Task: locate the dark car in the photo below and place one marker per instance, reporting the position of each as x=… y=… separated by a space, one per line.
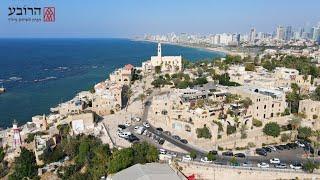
x=227 y=153
x=159 y=129
x=161 y=141
x=318 y=152
x=121 y=126
x=167 y=133
x=261 y=152
x=184 y=141
x=292 y=145
x=280 y=148
x=284 y=147
x=176 y=137
x=132 y=138
x=240 y=155
x=267 y=149
x=214 y=152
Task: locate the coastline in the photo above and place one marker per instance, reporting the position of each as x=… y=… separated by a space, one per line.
x=220 y=50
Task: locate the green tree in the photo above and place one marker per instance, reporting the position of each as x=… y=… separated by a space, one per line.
x=2 y=154
x=203 y=132
x=211 y=156
x=128 y=94
x=120 y=160
x=193 y=154
x=310 y=166
x=316 y=94
x=25 y=166
x=231 y=129
x=84 y=148
x=272 y=129
x=304 y=132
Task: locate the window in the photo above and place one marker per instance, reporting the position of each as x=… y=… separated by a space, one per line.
x=264 y=116
x=271 y=115
x=265 y=106
x=272 y=106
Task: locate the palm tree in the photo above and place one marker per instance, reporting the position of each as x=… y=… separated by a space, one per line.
x=128 y=94
x=142 y=97
x=295 y=123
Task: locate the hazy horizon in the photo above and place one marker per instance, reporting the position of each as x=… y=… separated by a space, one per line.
x=130 y=18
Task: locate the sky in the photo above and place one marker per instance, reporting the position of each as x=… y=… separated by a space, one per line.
x=130 y=18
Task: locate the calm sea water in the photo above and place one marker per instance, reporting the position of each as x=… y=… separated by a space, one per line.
x=40 y=73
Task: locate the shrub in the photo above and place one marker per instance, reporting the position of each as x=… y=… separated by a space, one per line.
x=193 y=154
x=220 y=148
x=231 y=129
x=256 y=122
x=203 y=132
x=285 y=137
x=272 y=129
x=304 y=132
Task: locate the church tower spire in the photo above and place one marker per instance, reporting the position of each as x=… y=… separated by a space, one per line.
x=159 y=49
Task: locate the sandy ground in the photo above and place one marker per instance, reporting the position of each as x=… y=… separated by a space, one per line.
x=219 y=173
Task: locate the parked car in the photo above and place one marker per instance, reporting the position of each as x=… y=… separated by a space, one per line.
x=263 y=165
x=272 y=148
x=275 y=161
x=205 y=160
x=162 y=151
x=292 y=145
x=296 y=166
x=173 y=154
x=186 y=158
x=159 y=129
x=267 y=149
x=138 y=119
x=247 y=164
x=127 y=124
x=280 y=148
x=121 y=126
x=176 y=137
x=227 y=153
x=280 y=166
x=167 y=133
x=161 y=141
x=300 y=143
x=184 y=141
x=145 y=124
x=240 y=155
x=214 y=152
x=261 y=152
x=132 y=138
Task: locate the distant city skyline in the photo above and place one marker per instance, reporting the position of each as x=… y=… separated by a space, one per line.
x=127 y=18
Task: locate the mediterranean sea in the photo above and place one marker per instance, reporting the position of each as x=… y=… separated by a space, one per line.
x=41 y=73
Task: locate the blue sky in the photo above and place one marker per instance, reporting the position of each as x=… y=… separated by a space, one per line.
x=128 y=18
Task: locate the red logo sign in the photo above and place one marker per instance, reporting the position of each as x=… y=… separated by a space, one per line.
x=49 y=14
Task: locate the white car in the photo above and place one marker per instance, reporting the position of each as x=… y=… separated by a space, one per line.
x=272 y=148
x=205 y=160
x=275 y=161
x=136 y=128
x=138 y=119
x=162 y=151
x=263 y=165
x=300 y=144
x=127 y=124
x=186 y=158
x=145 y=124
x=296 y=166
